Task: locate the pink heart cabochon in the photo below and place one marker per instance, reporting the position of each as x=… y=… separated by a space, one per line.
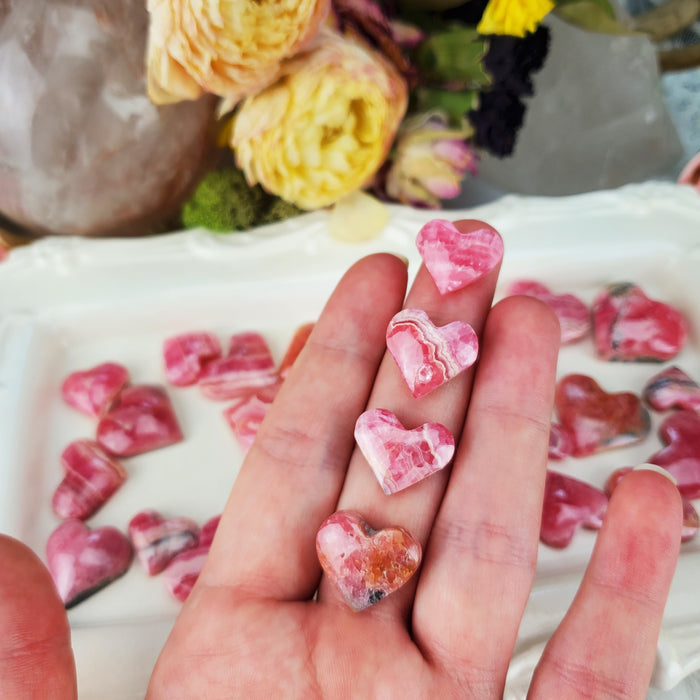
x=457 y=254
x=428 y=355
x=398 y=457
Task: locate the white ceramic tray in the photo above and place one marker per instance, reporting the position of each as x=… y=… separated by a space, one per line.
x=67 y=304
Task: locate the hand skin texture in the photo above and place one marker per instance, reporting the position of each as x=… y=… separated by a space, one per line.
x=251 y=628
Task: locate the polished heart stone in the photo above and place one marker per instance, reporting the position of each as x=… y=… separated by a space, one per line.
x=429 y=355
x=561 y=444
x=91 y=477
x=455 y=259
x=365 y=564
x=574 y=316
x=92 y=391
x=628 y=326
x=246 y=415
x=186 y=354
x=296 y=345
x=680 y=432
x=569 y=504
x=672 y=388
x=597 y=420
x=83 y=561
x=143 y=419
x=158 y=540
x=398 y=457
x=247 y=367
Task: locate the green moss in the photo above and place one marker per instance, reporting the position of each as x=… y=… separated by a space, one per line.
x=223 y=201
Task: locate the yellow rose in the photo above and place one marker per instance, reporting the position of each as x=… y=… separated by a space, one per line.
x=231 y=48
x=513 y=17
x=325 y=127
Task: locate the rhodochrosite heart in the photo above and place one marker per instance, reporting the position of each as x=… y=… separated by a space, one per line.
x=365 y=565
x=454 y=258
x=428 y=355
x=672 y=388
x=83 y=561
x=186 y=354
x=92 y=391
x=400 y=457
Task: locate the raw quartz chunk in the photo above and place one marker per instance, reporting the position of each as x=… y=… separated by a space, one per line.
x=182 y=572
x=628 y=326
x=680 y=433
x=92 y=391
x=83 y=561
x=365 y=564
x=91 y=477
x=398 y=457
x=185 y=356
x=158 y=540
x=597 y=420
x=672 y=388
x=296 y=345
x=249 y=366
x=245 y=416
x=428 y=355
x=574 y=316
x=455 y=258
x=569 y=504
x=143 y=419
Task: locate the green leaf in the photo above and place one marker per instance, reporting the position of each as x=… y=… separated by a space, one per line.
x=454 y=104
x=593 y=16
x=454 y=58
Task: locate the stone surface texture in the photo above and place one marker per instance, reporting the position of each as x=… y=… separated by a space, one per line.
x=672 y=388
x=91 y=477
x=455 y=259
x=83 y=561
x=365 y=565
x=82 y=148
x=398 y=457
x=92 y=391
x=143 y=419
x=596 y=420
x=573 y=314
x=629 y=326
x=569 y=504
x=429 y=355
x=186 y=354
x=246 y=415
x=561 y=443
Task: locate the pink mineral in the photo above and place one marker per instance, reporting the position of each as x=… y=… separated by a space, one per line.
x=83 y=561
x=569 y=504
x=628 y=326
x=398 y=457
x=455 y=258
x=574 y=316
x=364 y=564
x=561 y=443
x=672 y=388
x=680 y=432
x=92 y=391
x=429 y=355
x=185 y=356
x=142 y=420
x=245 y=416
x=158 y=540
x=91 y=477
x=249 y=366
x=597 y=420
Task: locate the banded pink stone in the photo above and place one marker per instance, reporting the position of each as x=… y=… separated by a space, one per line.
x=186 y=354
x=574 y=316
x=92 y=391
x=365 y=564
x=246 y=415
x=91 y=477
x=398 y=457
x=429 y=355
x=561 y=443
x=83 y=561
x=672 y=388
x=456 y=257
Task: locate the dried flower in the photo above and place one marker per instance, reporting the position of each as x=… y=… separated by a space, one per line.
x=228 y=48
x=325 y=127
x=430 y=161
x=514 y=17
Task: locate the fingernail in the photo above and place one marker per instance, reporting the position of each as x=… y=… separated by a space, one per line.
x=659 y=470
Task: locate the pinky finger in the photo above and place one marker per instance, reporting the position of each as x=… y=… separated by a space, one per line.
x=606 y=644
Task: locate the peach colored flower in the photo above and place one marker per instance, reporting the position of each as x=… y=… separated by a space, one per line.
x=324 y=128
x=231 y=48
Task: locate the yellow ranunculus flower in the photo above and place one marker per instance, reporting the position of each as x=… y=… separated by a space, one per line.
x=514 y=17
x=324 y=128
x=231 y=48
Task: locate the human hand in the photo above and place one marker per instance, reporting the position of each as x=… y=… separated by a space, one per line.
x=252 y=628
